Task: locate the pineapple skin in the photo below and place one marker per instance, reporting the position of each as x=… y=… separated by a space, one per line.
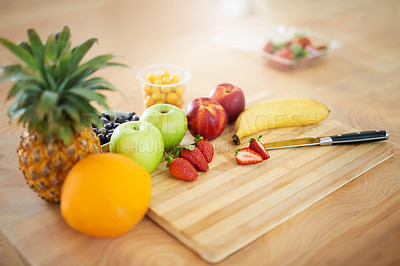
x=46 y=165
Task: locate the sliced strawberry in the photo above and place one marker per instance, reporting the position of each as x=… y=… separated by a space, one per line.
x=247 y=156
x=181 y=169
x=257 y=146
x=205 y=147
x=193 y=155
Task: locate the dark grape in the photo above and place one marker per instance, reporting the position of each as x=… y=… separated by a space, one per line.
x=130 y=115
x=105 y=132
x=108 y=125
x=120 y=119
x=104 y=120
x=106 y=116
x=102 y=138
x=102 y=131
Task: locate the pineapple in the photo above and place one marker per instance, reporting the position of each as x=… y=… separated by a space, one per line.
x=53 y=99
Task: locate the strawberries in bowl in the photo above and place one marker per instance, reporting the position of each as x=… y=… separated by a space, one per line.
x=298 y=51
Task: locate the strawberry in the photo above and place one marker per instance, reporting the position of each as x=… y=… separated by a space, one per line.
x=284 y=52
x=193 y=155
x=181 y=169
x=205 y=147
x=258 y=147
x=247 y=156
x=268 y=47
x=302 y=41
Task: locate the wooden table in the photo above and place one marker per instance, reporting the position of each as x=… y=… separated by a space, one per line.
x=357 y=225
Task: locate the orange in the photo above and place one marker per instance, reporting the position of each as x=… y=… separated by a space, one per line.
x=105 y=195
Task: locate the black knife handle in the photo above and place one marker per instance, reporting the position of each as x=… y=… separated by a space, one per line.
x=362 y=136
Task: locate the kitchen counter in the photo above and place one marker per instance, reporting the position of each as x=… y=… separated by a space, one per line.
x=359 y=224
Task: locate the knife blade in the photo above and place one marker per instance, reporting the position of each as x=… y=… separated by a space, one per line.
x=348 y=138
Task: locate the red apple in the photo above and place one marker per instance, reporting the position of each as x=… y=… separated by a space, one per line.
x=206 y=117
x=231 y=98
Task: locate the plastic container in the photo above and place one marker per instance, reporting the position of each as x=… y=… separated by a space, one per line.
x=284 y=34
x=163 y=83
x=253 y=38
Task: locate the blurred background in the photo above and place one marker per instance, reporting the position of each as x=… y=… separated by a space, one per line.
x=180 y=32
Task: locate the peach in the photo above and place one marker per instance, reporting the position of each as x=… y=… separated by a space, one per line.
x=206 y=117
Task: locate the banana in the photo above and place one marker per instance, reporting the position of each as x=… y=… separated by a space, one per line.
x=284 y=112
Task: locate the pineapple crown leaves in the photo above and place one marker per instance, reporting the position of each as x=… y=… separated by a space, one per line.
x=52 y=91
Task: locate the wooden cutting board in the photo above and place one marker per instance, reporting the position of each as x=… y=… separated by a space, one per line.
x=231 y=205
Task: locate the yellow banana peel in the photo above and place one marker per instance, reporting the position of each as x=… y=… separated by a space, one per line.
x=282 y=112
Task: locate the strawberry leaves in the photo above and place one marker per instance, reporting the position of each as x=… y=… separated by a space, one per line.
x=177 y=151
x=298 y=52
x=253 y=153
x=198 y=138
x=253 y=139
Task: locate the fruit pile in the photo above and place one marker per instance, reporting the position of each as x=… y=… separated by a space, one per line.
x=52 y=89
x=287 y=55
x=163 y=89
x=110 y=122
x=190 y=159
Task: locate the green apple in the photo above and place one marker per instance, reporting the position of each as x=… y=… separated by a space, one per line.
x=170 y=120
x=140 y=141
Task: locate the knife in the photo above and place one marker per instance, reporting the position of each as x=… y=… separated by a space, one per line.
x=349 y=138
